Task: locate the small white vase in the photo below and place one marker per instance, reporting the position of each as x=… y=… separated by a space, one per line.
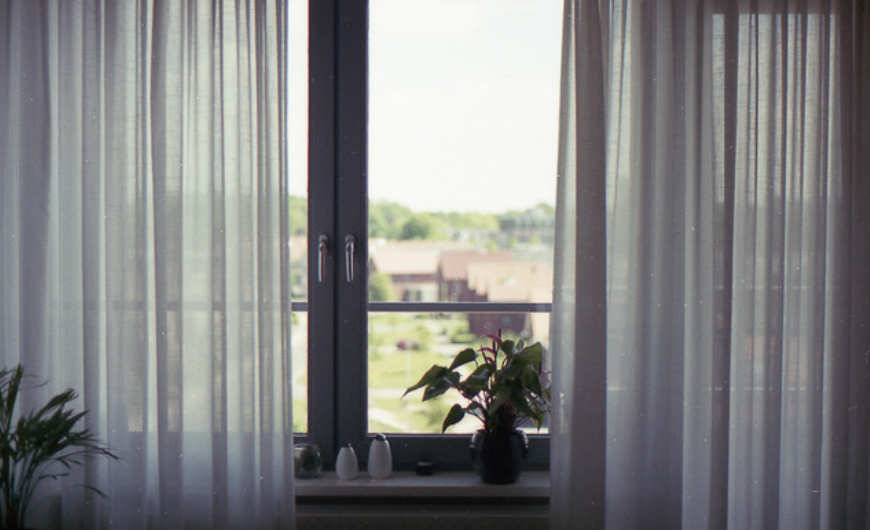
x=380 y=458
x=346 y=465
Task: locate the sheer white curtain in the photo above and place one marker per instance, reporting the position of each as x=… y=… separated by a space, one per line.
x=142 y=218
x=712 y=310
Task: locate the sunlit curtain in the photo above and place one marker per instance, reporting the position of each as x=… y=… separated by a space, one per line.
x=141 y=217
x=712 y=302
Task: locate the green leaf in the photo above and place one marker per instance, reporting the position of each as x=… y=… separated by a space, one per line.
x=476 y=382
x=454 y=416
x=446 y=382
x=534 y=385
x=463 y=357
x=530 y=378
x=524 y=409
x=41 y=444
x=433 y=374
x=515 y=367
x=535 y=355
x=502 y=394
x=509 y=348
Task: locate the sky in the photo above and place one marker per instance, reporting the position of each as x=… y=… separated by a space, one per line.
x=463 y=103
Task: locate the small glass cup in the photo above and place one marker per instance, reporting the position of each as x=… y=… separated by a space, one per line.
x=307 y=460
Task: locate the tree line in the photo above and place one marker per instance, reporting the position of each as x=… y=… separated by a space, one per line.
x=391 y=220
x=394 y=221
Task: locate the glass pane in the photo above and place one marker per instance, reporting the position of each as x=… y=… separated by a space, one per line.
x=463 y=129
x=297 y=164
x=402 y=347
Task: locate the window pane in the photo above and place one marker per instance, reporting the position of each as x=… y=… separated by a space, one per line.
x=402 y=346
x=297 y=163
x=463 y=126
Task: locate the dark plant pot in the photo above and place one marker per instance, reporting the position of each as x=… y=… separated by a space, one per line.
x=499 y=458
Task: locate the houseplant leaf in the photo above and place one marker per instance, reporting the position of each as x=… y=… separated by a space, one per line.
x=503 y=390
x=433 y=374
x=36 y=445
x=476 y=382
x=463 y=357
x=441 y=385
x=454 y=416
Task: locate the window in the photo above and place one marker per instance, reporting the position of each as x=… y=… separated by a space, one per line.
x=430 y=188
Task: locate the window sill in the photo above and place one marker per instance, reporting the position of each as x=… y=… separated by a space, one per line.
x=532 y=487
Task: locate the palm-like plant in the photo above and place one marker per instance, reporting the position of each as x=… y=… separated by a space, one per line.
x=43 y=444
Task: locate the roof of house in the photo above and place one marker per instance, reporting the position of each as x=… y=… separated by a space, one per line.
x=407 y=257
x=512 y=281
x=454 y=265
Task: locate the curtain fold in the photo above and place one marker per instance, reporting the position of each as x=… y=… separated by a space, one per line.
x=142 y=209
x=730 y=141
x=580 y=276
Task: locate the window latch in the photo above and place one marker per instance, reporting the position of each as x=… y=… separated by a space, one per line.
x=349 y=251
x=322 y=252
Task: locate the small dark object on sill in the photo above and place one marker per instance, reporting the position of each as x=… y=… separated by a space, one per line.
x=425 y=467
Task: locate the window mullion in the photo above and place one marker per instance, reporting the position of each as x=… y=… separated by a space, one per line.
x=321 y=223
x=351 y=222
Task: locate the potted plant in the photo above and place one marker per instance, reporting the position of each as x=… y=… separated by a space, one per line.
x=40 y=445
x=503 y=390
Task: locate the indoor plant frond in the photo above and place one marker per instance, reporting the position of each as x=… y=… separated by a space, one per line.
x=42 y=444
x=504 y=389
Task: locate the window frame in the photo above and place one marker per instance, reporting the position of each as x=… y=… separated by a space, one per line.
x=338 y=208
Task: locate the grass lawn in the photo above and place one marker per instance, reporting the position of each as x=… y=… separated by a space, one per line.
x=402 y=346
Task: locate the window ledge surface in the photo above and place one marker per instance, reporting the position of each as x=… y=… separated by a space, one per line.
x=532 y=485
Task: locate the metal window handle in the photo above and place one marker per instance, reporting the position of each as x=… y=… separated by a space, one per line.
x=349 y=250
x=322 y=252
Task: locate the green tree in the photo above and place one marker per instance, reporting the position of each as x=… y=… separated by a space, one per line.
x=380 y=287
x=387 y=218
x=419 y=226
x=468 y=220
x=546 y=209
x=298 y=214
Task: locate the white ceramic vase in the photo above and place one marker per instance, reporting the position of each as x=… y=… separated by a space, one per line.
x=346 y=465
x=380 y=458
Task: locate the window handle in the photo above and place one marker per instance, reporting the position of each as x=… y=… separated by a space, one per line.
x=322 y=252
x=349 y=251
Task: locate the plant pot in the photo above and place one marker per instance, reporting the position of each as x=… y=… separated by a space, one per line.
x=499 y=458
